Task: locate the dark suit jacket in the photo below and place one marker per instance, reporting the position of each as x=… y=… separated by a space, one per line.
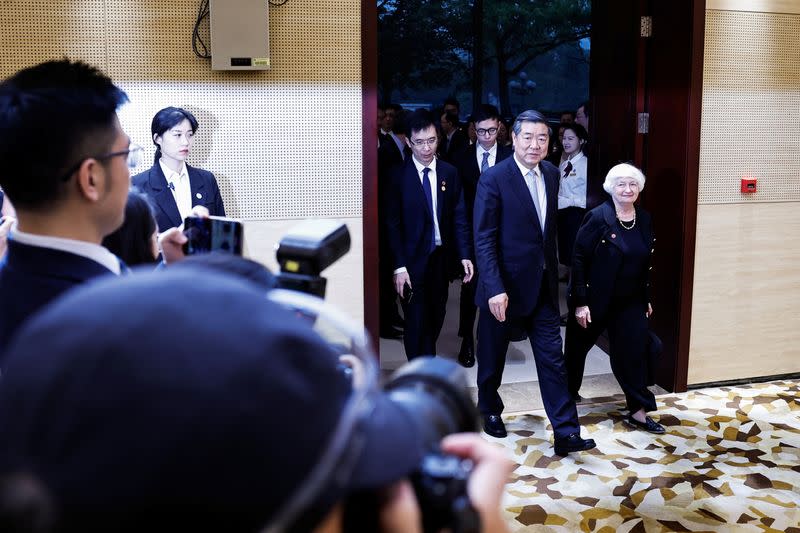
x=458 y=143
x=511 y=251
x=389 y=157
x=410 y=222
x=469 y=171
x=154 y=184
x=31 y=277
x=597 y=258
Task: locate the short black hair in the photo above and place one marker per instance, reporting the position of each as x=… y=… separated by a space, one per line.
x=451 y=100
x=485 y=112
x=586 y=108
x=530 y=115
x=168 y=118
x=580 y=131
x=131 y=242
x=399 y=126
x=419 y=120
x=52 y=116
x=452 y=118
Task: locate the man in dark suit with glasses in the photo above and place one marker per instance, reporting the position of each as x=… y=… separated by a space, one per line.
x=68 y=193
x=426 y=218
x=471 y=163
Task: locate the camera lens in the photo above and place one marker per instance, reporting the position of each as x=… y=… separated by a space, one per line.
x=434 y=391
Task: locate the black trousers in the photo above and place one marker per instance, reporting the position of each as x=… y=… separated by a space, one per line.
x=627 y=336
x=569 y=220
x=424 y=314
x=544 y=332
x=467 y=308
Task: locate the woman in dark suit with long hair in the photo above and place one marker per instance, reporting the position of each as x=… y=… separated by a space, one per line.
x=173 y=186
x=610 y=289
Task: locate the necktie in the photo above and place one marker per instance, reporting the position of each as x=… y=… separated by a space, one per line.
x=485 y=162
x=426 y=187
x=172 y=186
x=533 y=187
x=568 y=168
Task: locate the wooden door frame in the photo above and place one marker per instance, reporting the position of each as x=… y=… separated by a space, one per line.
x=369 y=165
x=674 y=375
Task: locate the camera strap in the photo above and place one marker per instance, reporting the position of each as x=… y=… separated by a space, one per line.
x=335 y=466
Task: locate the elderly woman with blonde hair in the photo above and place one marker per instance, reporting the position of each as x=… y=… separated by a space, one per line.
x=610 y=289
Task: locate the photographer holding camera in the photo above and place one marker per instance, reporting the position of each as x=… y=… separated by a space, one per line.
x=242 y=422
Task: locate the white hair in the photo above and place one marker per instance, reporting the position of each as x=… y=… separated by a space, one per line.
x=623 y=170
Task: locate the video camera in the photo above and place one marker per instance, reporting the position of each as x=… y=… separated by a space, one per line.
x=433 y=391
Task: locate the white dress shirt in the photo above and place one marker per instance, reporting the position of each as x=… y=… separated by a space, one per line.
x=401 y=144
x=479 y=151
x=181 y=188
x=572 y=192
x=540 y=187
x=432 y=180
x=95 y=252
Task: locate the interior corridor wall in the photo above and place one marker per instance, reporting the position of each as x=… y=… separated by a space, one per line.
x=284 y=144
x=746 y=279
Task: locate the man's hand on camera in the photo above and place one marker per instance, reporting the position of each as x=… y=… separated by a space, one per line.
x=488 y=479
x=400 y=279
x=171 y=245
x=469 y=270
x=400 y=511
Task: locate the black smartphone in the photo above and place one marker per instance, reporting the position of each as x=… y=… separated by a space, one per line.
x=212 y=234
x=407 y=293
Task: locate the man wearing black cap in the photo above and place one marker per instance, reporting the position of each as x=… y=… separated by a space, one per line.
x=243 y=423
x=65 y=168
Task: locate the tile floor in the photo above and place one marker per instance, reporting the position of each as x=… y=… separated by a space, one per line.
x=520 y=389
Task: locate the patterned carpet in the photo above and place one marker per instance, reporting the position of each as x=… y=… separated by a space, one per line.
x=729 y=461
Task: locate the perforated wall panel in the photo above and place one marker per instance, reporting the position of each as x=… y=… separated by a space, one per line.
x=751 y=107
x=283 y=143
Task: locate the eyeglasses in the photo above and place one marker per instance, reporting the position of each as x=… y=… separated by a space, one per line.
x=133 y=155
x=425 y=142
x=483 y=131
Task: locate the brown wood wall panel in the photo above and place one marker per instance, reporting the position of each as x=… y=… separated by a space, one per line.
x=746 y=280
x=746 y=288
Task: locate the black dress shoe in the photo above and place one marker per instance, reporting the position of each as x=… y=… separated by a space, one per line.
x=493 y=425
x=391 y=333
x=466 y=355
x=649 y=425
x=573 y=443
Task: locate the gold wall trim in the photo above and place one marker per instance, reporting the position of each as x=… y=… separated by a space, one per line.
x=758 y=6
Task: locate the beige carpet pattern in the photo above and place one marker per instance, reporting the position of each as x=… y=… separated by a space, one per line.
x=729 y=461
